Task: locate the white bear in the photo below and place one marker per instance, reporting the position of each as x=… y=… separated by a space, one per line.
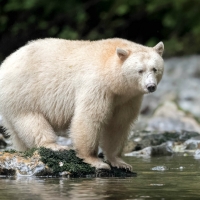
x=92 y=88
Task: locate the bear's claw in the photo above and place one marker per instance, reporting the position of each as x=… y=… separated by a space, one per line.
x=119 y=163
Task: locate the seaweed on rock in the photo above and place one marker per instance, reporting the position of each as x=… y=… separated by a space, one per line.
x=65 y=161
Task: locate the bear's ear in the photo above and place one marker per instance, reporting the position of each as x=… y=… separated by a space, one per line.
x=159 y=48
x=122 y=54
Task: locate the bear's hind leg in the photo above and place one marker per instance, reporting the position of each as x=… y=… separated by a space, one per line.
x=16 y=142
x=35 y=131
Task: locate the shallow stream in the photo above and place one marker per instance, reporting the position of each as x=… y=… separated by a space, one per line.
x=174 y=177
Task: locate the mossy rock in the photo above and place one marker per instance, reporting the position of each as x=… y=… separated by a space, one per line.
x=66 y=163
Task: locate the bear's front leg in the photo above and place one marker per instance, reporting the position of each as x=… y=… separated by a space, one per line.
x=112 y=144
x=87 y=125
x=117 y=130
x=85 y=134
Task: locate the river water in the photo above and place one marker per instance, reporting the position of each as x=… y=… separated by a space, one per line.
x=175 y=177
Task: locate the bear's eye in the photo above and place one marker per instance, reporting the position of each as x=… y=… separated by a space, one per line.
x=155 y=70
x=140 y=71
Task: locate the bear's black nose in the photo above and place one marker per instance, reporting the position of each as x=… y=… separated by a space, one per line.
x=151 y=87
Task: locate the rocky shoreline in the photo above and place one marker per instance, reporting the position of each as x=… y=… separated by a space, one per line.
x=148 y=144
x=45 y=162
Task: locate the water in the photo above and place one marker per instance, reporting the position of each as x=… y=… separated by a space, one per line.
x=175 y=177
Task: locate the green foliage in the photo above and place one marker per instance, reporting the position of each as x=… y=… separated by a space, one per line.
x=180 y=25
x=146 y=22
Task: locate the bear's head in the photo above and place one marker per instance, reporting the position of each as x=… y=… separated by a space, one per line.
x=142 y=67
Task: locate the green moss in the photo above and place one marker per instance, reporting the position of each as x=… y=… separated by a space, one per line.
x=67 y=161
x=60 y=161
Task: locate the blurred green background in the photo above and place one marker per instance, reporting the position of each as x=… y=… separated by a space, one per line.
x=175 y=22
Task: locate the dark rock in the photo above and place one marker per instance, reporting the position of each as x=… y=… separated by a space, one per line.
x=192 y=144
x=143 y=139
x=160 y=150
x=115 y=172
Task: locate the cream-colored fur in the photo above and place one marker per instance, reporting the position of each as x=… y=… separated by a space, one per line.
x=94 y=88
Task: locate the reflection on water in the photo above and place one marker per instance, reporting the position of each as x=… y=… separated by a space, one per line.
x=174 y=177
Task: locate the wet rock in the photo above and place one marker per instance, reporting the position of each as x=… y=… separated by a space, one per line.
x=147 y=143
x=178 y=147
x=15 y=164
x=188 y=146
x=192 y=144
x=45 y=162
x=114 y=172
x=164 y=149
x=144 y=139
x=160 y=150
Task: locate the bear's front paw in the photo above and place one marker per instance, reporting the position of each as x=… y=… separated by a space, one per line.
x=95 y=162
x=102 y=166
x=119 y=163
